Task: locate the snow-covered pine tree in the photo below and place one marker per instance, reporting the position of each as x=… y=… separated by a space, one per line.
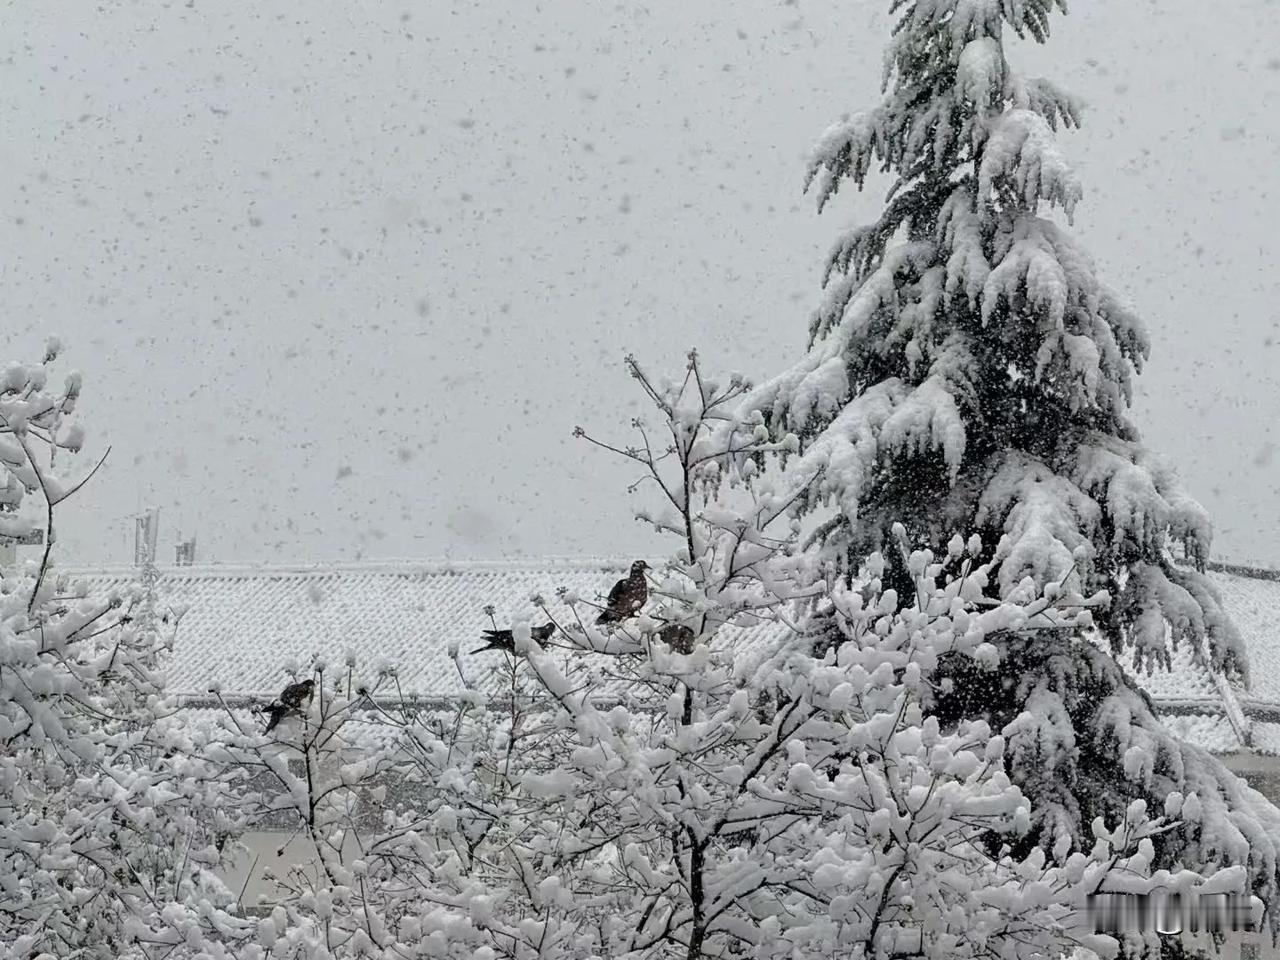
x=968 y=370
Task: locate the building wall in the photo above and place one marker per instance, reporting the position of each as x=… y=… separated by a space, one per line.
x=1260 y=771
x=275 y=853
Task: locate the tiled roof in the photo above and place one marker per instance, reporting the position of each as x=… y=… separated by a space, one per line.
x=244 y=627
x=1253 y=599
x=1213 y=733
x=1186 y=680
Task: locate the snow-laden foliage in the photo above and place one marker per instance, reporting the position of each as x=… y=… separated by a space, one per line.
x=768 y=782
x=968 y=369
x=109 y=831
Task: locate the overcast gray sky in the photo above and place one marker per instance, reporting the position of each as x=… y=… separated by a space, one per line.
x=342 y=277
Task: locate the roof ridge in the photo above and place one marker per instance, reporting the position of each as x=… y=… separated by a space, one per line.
x=1248 y=571
x=419 y=565
x=390 y=567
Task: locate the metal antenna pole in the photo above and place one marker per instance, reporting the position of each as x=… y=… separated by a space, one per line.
x=144 y=555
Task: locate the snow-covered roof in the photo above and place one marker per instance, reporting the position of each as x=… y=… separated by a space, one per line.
x=1253 y=598
x=244 y=627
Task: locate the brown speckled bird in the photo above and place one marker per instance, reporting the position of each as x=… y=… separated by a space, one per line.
x=505 y=639
x=290 y=699
x=678 y=637
x=627 y=596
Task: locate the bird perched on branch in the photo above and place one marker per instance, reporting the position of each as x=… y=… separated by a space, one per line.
x=291 y=698
x=505 y=639
x=678 y=637
x=627 y=596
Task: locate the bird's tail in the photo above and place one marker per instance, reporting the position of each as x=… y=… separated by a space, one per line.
x=276 y=713
x=495 y=640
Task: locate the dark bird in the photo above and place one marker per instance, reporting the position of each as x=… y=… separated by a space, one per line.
x=505 y=639
x=295 y=694
x=627 y=596
x=291 y=698
x=678 y=637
